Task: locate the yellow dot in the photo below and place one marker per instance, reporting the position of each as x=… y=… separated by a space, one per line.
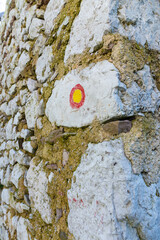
x=77 y=96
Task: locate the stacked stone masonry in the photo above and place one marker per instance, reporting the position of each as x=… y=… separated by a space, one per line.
x=79 y=120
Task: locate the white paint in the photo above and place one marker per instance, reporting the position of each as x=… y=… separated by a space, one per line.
x=43 y=69
x=107 y=201
x=38 y=192
x=100 y=82
x=142 y=23
x=53 y=9
x=103 y=96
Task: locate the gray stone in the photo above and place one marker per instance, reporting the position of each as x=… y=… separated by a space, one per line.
x=32 y=85
x=43 y=69
x=137 y=20
x=17 y=173
x=108 y=201
x=35 y=27
x=27 y=146
x=32 y=109
x=100 y=101
x=38 y=192
x=53 y=9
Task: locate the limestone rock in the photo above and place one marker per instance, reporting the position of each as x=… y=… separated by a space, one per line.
x=19 y=156
x=39 y=123
x=5 y=180
x=35 y=27
x=52 y=11
x=24 y=96
x=22 y=229
x=27 y=146
x=6 y=196
x=17 y=118
x=12 y=107
x=108 y=201
x=23 y=60
x=39 y=45
x=129 y=19
x=43 y=69
x=32 y=85
x=17 y=173
x=10 y=130
x=96 y=92
x=32 y=109
x=95 y=102
x=38 y=192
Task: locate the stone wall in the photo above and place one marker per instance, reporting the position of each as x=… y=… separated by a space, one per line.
x=79 y=120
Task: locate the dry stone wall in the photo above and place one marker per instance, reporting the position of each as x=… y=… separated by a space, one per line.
x=79 y=120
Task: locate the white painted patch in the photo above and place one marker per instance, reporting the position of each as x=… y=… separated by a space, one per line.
x=107 y=201
x=103 y=96
x=142 y=23
x=38 y=185
x=100 y=82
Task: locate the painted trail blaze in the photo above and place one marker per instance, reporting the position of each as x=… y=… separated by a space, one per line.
x=77 y=96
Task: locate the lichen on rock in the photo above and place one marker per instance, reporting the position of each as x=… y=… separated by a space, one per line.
x=79 y=120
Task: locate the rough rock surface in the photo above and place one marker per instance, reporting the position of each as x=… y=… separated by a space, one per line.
x=136 y=20
x=107 y=201
x=79 y=120
x=103 y=97
x=98 y=103
x=37 y=186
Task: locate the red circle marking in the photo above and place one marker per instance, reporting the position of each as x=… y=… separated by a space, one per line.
x=74 y=104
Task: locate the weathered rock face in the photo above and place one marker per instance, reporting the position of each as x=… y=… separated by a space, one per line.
x=108 y=201
x=79 y=120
